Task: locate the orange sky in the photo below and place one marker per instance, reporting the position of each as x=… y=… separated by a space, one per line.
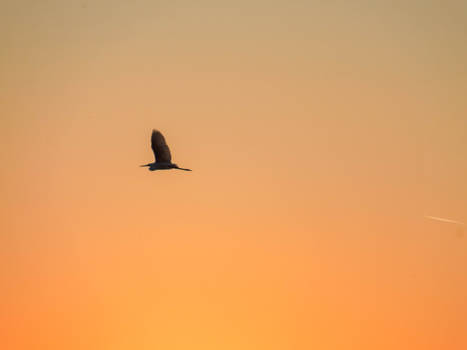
x=320 y=134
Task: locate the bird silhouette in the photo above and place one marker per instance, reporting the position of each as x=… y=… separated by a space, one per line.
x=163 y=158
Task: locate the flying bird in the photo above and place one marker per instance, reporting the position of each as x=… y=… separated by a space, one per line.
x=163 y=159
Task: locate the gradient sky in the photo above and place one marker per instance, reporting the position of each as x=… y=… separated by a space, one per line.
x=320 y=134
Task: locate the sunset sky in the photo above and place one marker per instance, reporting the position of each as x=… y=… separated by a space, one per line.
x=320 y=134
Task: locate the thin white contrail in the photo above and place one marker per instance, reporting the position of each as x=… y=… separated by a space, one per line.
x=444 y=220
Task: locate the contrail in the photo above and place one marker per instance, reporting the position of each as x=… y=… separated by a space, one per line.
x=444 y=220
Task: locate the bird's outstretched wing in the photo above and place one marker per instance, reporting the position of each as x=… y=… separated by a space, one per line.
x=160 y=148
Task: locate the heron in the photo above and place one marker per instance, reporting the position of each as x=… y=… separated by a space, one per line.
x=161 y=154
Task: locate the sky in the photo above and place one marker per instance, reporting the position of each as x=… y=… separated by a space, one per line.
x=321 y=135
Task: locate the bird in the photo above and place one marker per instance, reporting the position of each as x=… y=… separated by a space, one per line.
x=163 y=158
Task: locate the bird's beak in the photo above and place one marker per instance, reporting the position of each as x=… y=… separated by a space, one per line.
x=144 y=165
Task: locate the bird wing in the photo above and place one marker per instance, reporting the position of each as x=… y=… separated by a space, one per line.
x=160 y=148
x=444 y=220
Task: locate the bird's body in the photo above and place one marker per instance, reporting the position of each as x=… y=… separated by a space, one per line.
x=163 y=158
x=164 y=166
